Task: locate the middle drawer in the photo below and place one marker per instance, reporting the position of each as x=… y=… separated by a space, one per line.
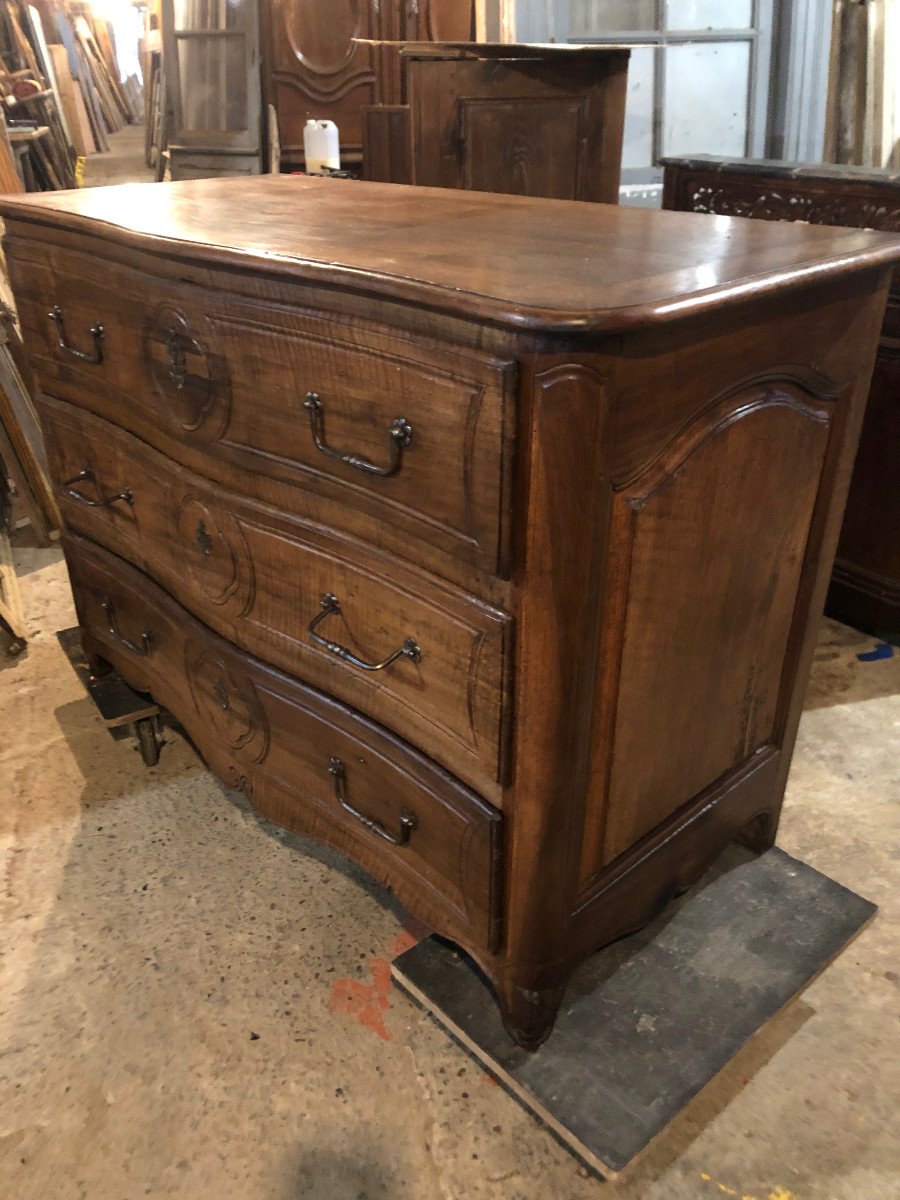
x=423 y=658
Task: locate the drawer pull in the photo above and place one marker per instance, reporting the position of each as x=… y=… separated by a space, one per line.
x=86 y=475
x=399 y=436
x=141 y=650
x=95 y=356
x=177 y=357
x=330 y=605
x=408 y=820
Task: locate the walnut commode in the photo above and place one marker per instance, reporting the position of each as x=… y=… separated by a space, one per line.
x=483 y=538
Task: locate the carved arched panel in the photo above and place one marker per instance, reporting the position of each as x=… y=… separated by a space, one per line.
x=315 y=70
x=321 y=35
x=705 y=633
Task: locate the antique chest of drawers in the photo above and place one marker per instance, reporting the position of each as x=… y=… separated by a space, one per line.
x=481 y=537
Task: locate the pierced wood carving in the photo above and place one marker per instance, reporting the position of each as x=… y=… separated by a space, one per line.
x=774 y=205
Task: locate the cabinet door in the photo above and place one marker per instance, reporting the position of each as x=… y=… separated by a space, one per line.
x=314 y=69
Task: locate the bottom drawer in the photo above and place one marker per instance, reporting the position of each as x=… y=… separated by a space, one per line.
x=305 y=761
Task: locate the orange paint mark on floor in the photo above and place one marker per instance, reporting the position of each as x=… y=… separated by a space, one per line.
x=366 y=1003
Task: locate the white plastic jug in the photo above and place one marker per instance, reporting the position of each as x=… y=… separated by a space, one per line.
x=321 y=147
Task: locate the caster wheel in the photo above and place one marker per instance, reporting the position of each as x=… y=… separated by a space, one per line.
x=148 y=741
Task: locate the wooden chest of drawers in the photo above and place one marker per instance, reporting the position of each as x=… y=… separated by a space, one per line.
x=480 y=537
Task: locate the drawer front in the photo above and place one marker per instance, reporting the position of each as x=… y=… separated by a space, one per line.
x=395 y=431
x=261 y=580
x=303 y=760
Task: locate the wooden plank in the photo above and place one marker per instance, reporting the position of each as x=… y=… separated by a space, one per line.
x=71 y=101
x=11 y=612
x=16 y=472
x=48 y=66
x=651 y=1019
x=22 y=429
x=10 y=180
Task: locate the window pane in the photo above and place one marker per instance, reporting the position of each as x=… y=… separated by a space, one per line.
x=706 y=91
x=593 y=18
x=710 y=14
x=637 y=150
x=213 y=83
x=209 y=14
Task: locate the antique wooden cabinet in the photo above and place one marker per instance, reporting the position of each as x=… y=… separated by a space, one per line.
x=313 y=67
x=517 y=119
x=865 y=583
x=481 y=537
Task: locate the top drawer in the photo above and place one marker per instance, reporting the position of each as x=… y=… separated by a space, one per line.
x=388 y=431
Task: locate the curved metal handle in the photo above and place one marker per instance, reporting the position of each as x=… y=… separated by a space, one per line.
x=408 y=820
x=86 y=474
x=399 y=436
x=330 y=605
x=141 y=650
x=95 y=356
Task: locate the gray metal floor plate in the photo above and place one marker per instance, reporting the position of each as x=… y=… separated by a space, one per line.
x=648 y=1021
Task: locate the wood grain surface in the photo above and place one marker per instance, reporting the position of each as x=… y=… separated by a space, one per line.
x=515 y=260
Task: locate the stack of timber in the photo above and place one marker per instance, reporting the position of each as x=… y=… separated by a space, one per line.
x=59 y=73
x=38 y=140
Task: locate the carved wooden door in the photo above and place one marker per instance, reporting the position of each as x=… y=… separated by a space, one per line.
x=314 y=69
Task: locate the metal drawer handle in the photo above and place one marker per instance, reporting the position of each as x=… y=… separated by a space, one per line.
x=86 y=474
x=177 y=356
x=141 y=650
x=399 y=436
x=408 y=820
x=94 y=356
x=330 y=605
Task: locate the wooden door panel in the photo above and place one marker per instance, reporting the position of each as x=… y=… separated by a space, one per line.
x=314 y=69
x=704 y=635
x=522 y=147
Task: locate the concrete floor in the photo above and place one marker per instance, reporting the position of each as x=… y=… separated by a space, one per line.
x=195 y=1004
x=122 y=163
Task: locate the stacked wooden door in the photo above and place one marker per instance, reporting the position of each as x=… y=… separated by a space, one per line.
x=313 y=66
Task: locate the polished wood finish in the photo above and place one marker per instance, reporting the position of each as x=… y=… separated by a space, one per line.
x=561 y=267
x=609 y=685
x=248 y=372
x=257 y=578
x=865 y=584
x=270 y=737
